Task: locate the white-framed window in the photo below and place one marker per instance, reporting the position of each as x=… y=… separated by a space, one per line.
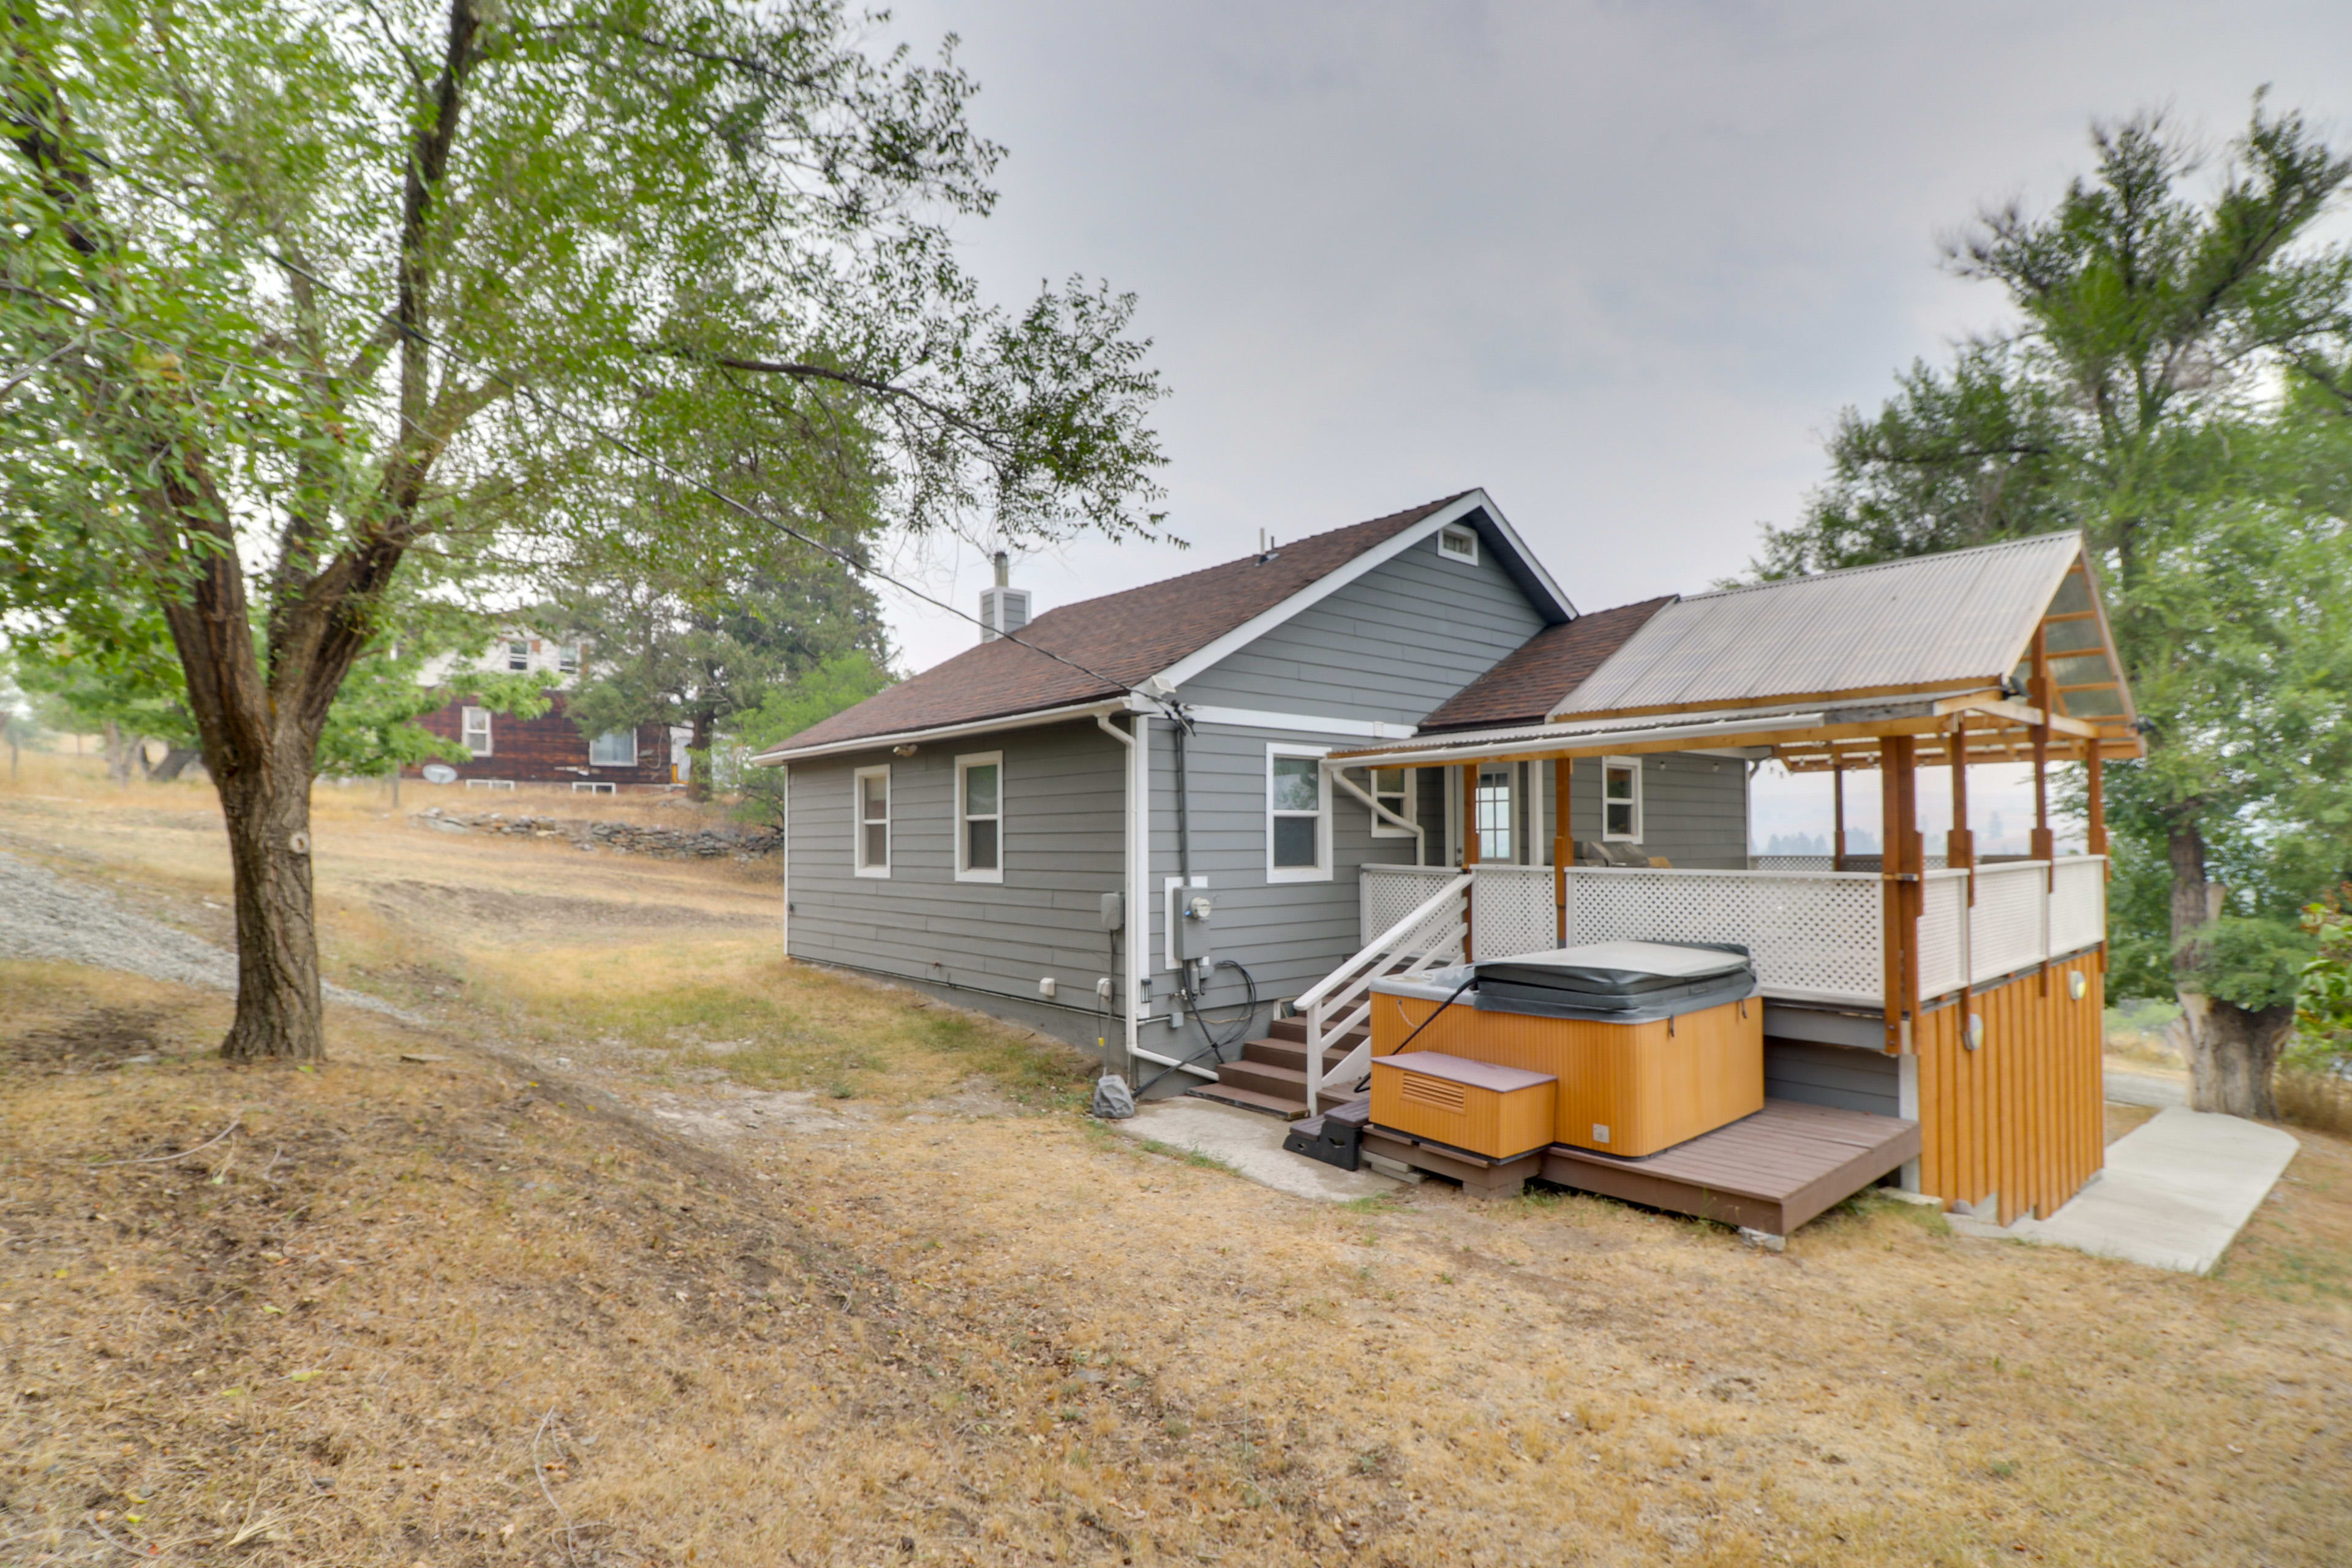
x=1297 y=814
x=475 y=731
x=595 y=786
x=518 y=656
x=1498 y=811
x=1621 y=799
x=567 y=658
x=1458 y=543
x=870 y=805
x=980 y=817
x=1392 y=787
x=616 y=750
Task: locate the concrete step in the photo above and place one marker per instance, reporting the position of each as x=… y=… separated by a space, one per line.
x=1250 y=1099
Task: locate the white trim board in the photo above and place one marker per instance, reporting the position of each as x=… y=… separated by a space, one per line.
x=943 y=732
x=1305 y=723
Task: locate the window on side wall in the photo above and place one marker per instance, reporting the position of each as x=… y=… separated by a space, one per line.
x=980 y=817
x=567 y=658
x=1621 y=799
x=1392 y=787
x=617 y=750
x=475 y=730
x=1297 y=815
x=518 y=656
x=870 y=798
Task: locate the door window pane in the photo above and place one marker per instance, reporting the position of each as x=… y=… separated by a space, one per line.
x=1495 y=835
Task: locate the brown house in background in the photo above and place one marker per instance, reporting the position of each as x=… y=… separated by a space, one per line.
x=493 y=750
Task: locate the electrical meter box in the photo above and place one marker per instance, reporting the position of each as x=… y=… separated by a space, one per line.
x=1192 y=913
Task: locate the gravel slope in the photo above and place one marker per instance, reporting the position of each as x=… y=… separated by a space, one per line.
x=42 y=916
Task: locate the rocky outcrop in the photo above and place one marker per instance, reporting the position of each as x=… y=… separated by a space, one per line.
x=728 y=843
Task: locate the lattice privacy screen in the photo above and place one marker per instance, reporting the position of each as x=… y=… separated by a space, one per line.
x=1511 y=912
x=2006 y=925
x=1943 y=931
x=1386 y=894
x=1813 y=935
x=2078 y=903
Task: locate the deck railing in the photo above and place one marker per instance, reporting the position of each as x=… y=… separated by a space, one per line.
x=1426 y=934
x=1817 y=936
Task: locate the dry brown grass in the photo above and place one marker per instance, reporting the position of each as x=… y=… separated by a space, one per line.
x=2322 y=1102
x=875 y=1330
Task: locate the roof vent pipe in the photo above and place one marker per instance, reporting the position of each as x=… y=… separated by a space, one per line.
x=1003 y=609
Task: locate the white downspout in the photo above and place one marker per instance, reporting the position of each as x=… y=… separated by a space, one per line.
x=786 y=854
x=1137 y=846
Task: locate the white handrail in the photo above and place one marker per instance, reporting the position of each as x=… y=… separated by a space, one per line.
x=1337 y=991
x=1388 y=938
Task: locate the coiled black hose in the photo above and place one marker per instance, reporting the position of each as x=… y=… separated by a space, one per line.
x=1212 y=1044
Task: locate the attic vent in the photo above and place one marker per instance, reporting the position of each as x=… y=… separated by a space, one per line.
x=1003 y=608
x=1461 y=543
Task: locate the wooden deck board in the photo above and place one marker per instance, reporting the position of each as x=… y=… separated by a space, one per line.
x=1771 y=1172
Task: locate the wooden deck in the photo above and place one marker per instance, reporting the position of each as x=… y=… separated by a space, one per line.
x=1770 y=1172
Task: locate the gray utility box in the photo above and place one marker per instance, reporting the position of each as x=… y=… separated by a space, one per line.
x=1192 y=912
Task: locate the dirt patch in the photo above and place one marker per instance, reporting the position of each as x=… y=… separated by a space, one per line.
x=95 y=1041
x=562 y=914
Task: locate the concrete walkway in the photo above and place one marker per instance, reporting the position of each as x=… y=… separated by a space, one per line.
x=1251 y=1144
x=2149 y=1088
x=2174 y=1194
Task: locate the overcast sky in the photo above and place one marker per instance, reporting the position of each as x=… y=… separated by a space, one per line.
x=1620 y=264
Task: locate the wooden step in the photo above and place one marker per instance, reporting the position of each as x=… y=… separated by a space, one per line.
x=1291 y=1054
x=1249 y=1099
x=1295 y=1031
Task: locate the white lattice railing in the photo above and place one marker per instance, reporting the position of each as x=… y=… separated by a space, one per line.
x=1815 y=936
x=2078 y=903
x=2008 y=925
x=1943 y=933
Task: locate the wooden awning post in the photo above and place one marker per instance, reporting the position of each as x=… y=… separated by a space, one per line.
x=1960 y=843
x=1899 y=882
x=1563 y=839
x=1837 y=801
x=1469 y=848
x=2044 y=847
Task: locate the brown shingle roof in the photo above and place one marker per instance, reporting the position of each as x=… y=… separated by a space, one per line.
x=1128 y=636
x=1535 y=676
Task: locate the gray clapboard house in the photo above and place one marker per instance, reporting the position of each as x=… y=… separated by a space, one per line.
x=1027 y=827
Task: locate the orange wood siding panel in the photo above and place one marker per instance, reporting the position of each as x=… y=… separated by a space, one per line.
x=1653 y=1086
x=2024 y=1115
x=1501 y=1125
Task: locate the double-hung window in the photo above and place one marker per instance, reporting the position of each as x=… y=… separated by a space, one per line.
x=980 y=817
x=518 y=656
x=1392 y=787
x=1621 y=799
x=870 y=797
x=567 y=658
x=475 y=730
x=1297 y=815
x=617 y=750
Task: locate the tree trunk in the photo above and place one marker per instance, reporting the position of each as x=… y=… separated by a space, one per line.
x=117 y=753
x=2231 y=1053
x=698 y=749
x=278 y=992
x=2231 y=1050
x=175 y=762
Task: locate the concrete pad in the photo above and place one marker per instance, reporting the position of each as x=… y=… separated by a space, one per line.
x=2174 y=1194
x=1251 y=1144
x=2146 y=1089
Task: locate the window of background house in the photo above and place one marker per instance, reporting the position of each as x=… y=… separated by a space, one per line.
x=1497 y=841
x=567 y=658
x=1392 y=787
x=872 y=797
x=980 y=817
x=518 y=656
x=475 y=730
x=1458 y=544
x=617 y=750
x=1621 y=798
x=1296 y=803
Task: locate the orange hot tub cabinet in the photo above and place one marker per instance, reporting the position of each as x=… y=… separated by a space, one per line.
x=1498 y=1111
x=1624 y=1088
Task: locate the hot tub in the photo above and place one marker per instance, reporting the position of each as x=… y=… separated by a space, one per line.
x=1651 y=1043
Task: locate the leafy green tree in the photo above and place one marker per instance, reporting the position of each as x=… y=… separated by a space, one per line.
x=699 y=644
x=842 y=681
x=302 y=297
x=2173 y=385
